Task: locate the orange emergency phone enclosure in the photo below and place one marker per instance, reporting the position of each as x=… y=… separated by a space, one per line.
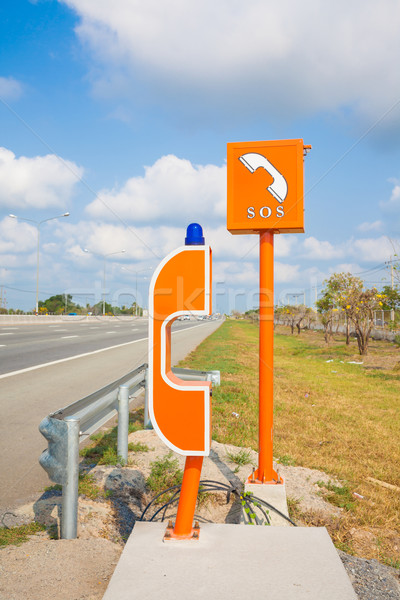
x=180 y=411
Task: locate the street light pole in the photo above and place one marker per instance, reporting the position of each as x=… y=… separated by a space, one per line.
x=136 y=276
x=104 y=287
x=136 y=302
x=38 y=224
x=104 y=256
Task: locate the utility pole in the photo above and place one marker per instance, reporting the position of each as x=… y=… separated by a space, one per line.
x=391 y=277
x=390 y=262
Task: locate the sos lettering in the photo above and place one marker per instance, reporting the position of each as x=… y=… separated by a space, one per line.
x=265 y=212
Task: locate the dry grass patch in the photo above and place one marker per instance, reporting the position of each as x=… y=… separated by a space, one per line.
x=330 y=414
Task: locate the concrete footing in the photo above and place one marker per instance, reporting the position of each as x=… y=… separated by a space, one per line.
x=273 y=494
x=230 y=561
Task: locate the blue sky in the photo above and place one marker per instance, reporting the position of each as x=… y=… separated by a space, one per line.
x=119 y=113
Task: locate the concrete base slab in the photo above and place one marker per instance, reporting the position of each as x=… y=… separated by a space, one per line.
x=230 y=561
x=273 y=494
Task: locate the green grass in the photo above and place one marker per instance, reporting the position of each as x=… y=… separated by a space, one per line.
x=165 y=473
x=57 y=487
x=287 y=460
x=138 y=447
x=340 y=418
x=293 y=505
x=395 y=564
x=240 y=458
x=87 y=486
x=341 y=496
x=17 y=535
x=103 y=450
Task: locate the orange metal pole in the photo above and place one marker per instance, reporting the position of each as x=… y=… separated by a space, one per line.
x=188 y=498
x=266 y=472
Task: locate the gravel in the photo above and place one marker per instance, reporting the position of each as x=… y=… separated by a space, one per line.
x=370 y=579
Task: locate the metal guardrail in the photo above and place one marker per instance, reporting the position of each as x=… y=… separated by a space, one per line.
x=64 y=429
x=193 y=375
x=98 y=408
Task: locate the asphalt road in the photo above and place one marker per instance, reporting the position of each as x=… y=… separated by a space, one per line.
x=24 y=346
x=35 y=390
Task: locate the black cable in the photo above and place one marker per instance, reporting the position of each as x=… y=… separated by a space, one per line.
x=171 y=500
x=174 y=499
x=258 y=505
x=221 y=483
x=165 y=506
x=174 y=487
x=281 y=514
x=249 y=511
x=209 y=485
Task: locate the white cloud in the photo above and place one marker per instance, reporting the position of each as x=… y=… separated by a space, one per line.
x=243 y=248
x=285 y=273
x=16 y=237
x=345 y=268
x=37 y=182
x=227 y=246
x=284 y=245
x=375 y=226
x=372 y=249
x=321 y=250
x=235 y=258
x=393 y=204
x=139 y=243
x=10 y=88
x=364 y=250
x=172 y=191
x=284 y=57
x=230 y=273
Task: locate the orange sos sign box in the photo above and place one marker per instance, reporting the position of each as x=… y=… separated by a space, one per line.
x=265 y=187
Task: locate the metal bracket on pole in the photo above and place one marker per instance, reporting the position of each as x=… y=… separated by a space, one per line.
x=195 y=375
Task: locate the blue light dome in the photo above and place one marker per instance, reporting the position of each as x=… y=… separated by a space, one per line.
x=194 y=235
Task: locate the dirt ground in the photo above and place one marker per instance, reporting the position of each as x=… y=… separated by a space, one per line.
x=49 y=569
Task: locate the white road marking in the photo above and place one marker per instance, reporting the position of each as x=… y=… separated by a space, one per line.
x=6 y=334
x=61 y=360
x=3 y=346
x=68 y=337
x=61 y=330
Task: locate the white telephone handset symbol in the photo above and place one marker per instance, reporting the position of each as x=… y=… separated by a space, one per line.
x=253 y=161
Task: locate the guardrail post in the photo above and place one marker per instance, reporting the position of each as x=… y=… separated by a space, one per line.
x=147 y=422
x=123 y=421
x=69 y=516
